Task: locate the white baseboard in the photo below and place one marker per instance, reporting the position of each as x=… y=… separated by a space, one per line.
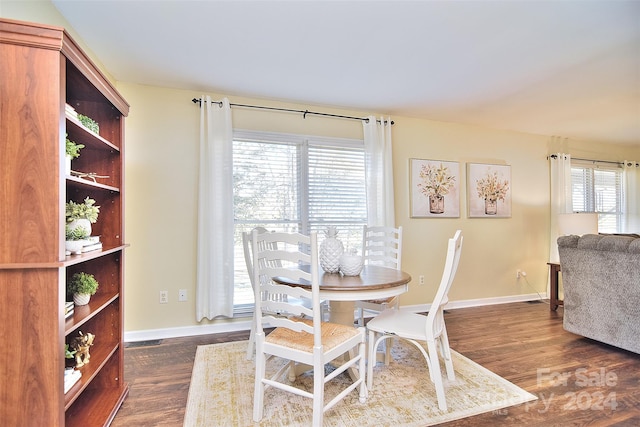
x=187 y=331
x=245 y=325
x=421 y=308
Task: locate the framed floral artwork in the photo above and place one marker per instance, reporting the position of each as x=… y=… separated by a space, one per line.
x=489 y=190
x=434 y=188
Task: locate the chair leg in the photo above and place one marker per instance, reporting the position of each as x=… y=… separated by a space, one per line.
x=387 y=353
x=374 y=342
x=362 y=372
x=436 y=375
x=292 y=371
x=258 y=392
x=446 y=355
x=371 y=362
x=252 y=338
x=389 y=344
x=318 y=395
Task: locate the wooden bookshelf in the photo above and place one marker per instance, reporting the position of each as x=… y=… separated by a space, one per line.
x=42 y=70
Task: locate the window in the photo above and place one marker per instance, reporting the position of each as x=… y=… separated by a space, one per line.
x=295 y=183
x=597 y=188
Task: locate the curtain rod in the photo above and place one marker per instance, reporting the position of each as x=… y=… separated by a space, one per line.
x=303 y=112
x=555 y=156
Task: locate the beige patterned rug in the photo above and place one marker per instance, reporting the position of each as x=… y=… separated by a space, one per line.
x=221 y=392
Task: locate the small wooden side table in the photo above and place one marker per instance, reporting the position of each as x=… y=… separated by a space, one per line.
x=554 y=271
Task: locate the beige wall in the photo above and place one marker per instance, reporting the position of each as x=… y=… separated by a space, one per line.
x=161 y=171
x=161 y=167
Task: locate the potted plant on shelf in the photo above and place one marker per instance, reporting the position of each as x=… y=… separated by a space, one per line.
x=75 y=239
x=82 y=214
x=89 y=123
x=82 y=286
x=72 y=151
x=69 y=353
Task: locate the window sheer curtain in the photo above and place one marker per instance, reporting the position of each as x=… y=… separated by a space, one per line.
x=214 y=286
x=631 y=178
x=379 y=171
x=561 y=198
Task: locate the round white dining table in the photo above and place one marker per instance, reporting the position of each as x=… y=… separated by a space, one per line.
x=374 y=282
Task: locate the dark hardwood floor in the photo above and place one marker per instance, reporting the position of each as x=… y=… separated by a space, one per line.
x=578 y=381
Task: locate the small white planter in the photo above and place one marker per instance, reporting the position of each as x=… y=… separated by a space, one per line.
x=74 y=246
x=81 y=299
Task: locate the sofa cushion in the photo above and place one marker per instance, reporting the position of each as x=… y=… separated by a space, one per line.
x=634 y=247
x=589 y=241
x=568 y=241
x=614 y=243
x=600 y=242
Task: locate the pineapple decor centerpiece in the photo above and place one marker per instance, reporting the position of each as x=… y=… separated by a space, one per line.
x=330 y=251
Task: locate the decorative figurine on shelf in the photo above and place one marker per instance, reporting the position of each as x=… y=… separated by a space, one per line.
x=81 y=346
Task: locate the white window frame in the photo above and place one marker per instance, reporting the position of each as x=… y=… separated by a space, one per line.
x=590 y=203
x=303 y=142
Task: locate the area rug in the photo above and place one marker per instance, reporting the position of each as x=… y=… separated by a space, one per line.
x=221 y=392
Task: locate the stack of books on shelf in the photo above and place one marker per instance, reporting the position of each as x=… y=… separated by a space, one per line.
x=68 y=309
x=92 y=243
x=71 y=111
x=71 y=376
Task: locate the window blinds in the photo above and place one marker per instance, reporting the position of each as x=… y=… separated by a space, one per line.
x=598 y=189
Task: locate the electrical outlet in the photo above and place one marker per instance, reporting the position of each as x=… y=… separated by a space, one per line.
x=518 y=273
x=182 y=295
x=421 y=280
x=164 y=297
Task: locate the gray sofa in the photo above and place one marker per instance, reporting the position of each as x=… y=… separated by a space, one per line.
x=601 y=279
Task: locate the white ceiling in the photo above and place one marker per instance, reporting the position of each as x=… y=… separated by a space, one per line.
x=565 y=68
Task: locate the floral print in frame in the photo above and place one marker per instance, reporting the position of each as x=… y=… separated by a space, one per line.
x=489 y=190
x=435 y=188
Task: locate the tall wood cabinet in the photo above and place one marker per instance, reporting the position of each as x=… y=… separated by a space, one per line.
x=41 y=70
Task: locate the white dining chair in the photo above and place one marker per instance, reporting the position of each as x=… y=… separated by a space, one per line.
x=380 y=246
x=300 y=335
x=246 y=245
x=417 y=328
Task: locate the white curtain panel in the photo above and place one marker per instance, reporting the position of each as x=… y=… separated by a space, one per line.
x=560 y=179
x=632 y=196
x=379 y=171
x=214 y=287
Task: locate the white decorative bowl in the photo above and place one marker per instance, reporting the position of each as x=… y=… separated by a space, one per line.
x=350 y=264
